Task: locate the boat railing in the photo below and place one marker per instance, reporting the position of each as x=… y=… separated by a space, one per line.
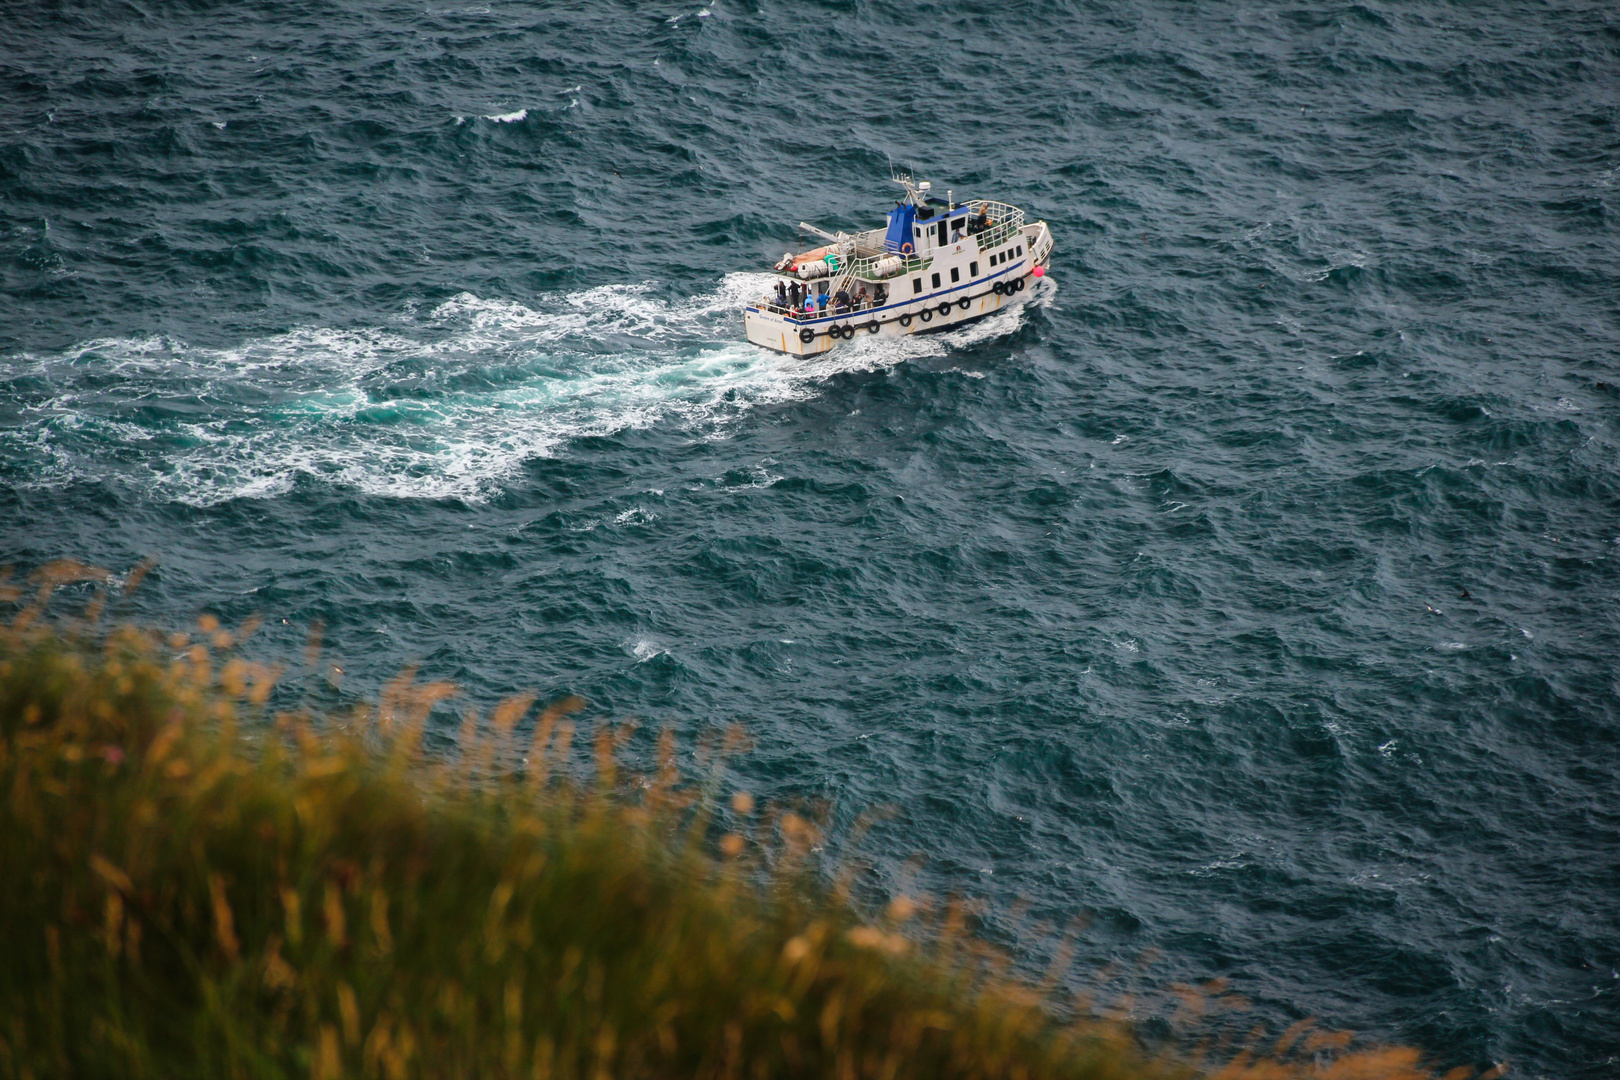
x=867 y=267
x=1005 y=220
x=799 y=314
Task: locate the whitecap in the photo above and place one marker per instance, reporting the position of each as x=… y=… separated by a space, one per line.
x=645 y=649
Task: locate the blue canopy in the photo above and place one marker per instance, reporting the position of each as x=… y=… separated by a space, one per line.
x=900 y=220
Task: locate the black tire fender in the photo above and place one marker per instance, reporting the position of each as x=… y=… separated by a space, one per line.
x=927 y=314
x=998 y=288
x=905 y=320
x=872 y=327
x=1019 y=285
x=807 y=335
x=964 y=303
x=944 y=309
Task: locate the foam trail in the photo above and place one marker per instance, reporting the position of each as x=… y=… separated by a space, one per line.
x=448 y=405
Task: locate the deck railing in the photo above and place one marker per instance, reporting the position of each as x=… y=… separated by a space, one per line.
x=1005 y=220
x=909 y=264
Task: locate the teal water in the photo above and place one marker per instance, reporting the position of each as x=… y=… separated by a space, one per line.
x=1251 y=595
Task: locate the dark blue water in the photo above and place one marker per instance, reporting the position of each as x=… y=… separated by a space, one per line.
x=1252 y=594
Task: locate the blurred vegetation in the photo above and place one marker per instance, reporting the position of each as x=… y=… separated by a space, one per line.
x=194 y=886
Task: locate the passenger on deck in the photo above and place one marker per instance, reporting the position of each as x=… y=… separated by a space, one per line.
x=982 y=222
x=880 y=297
x=841 y=302
x=781 y=295
x=862 y=301
x=794 y=294
x=821 y=302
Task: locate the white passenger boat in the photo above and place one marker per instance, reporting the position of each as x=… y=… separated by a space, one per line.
x=936 y=265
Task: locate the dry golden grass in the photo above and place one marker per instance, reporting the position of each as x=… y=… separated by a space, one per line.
x=197 y=888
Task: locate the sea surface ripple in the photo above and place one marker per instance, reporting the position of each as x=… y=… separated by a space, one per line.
x=1251 y=596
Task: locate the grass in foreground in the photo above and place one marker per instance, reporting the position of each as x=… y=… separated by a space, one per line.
x=184 y=898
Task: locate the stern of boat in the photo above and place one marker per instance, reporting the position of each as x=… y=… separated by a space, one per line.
x=779 y=333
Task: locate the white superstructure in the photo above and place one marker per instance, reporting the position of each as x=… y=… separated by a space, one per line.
x=937 y=264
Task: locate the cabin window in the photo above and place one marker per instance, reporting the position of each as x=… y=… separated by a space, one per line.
x=944 y=227
x=936 y=280
x=956 y=274
x=973 y=269
x=916 y=285
x=1019 y=250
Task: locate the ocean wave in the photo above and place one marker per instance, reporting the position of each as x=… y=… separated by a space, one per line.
x=500 y=118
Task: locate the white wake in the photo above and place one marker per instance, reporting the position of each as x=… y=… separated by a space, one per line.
x=451 y=402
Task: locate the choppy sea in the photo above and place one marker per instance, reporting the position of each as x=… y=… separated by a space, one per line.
x=1250 y=597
